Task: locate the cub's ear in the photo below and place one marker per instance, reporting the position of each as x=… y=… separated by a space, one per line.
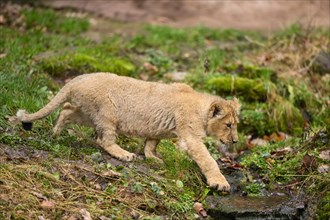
x=216 y=111
x=236 y=105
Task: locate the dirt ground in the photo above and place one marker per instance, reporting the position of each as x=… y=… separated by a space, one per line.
x=241 y=14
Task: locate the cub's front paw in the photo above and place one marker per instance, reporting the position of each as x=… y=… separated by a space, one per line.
x=219 y=183
x=127 y=157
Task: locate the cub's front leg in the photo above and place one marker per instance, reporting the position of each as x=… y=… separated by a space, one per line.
x=209 y=167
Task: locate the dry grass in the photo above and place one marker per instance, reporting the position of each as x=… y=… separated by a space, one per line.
x=30 y=189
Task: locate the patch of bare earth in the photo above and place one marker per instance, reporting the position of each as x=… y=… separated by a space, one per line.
x=241 y=14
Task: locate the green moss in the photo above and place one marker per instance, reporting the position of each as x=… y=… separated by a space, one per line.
x=79 y=63
x=279 y=115
x=232 y=85
x=323 y=211
x=255 y=120
x=286 y=117
x=251 y=72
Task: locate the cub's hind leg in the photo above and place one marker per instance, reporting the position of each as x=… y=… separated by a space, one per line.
x=150 y=149
x=107 y=140
x=70 y=114
x=106 y=131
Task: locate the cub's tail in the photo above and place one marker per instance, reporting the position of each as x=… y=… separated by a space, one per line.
x=27 y=118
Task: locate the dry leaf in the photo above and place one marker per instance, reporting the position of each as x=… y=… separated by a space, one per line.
x=104 y=218
x=39 y=195
x=85 y=214
x=110 y=173
x=198 y=207
x=96 y=185
x=12 y=119
x=2 y=19
x=4 y=197
x=150 y=68
x=280 y=153
x=325 y=155
x=144 y=76
x=73 y=217
x=264 y=59
x=308 y=162
x=323 y=168
x=46 y=204
x=257 y=142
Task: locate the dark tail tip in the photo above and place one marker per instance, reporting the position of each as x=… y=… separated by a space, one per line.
x=27 y=126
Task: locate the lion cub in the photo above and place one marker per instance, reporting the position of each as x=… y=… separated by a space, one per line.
x=115 y=105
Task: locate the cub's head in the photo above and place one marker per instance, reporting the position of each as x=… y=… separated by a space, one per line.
x=223 y=119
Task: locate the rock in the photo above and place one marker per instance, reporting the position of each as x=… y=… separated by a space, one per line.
x=250 y=89
x=176 y=76
x=321 y=63
x=264 y=207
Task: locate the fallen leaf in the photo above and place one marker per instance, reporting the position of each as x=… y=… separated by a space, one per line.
x=198 y=207
x=39 y=195
x=150 y=68
x=2 y=55
x=110 y=173
x=325 y=155
x=225 y=160
x=104 y=218
x=73 y=217
x=323 y=168
x=257 y=142
x=264 y=59
x=2 y=19
x=144 y=76
x=96 y=185
x=12 y=119
x=308 y=162
x=46 y=204
x=4 y=197
x=279 y=136
x=85 y=214
x=280 y=153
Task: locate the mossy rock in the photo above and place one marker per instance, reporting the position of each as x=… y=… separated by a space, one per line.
x=251 y=72
x=78 y=63
x=254 y=119
x=286 y=117
x=266 y=118
x=321 y=64
x=250 y=89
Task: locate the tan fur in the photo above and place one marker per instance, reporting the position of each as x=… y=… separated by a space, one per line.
x=121 y=105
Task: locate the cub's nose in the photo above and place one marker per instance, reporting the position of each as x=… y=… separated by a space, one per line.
x=235 y=141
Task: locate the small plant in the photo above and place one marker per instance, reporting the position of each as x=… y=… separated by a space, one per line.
x=255 y=189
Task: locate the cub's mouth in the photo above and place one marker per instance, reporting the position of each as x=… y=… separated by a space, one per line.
x=223 y=142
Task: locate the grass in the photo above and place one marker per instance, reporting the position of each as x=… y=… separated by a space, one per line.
x=49 y=48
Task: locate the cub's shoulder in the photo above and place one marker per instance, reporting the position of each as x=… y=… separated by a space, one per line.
x=182 y=87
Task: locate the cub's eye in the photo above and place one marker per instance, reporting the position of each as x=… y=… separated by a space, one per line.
x=228 y=125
